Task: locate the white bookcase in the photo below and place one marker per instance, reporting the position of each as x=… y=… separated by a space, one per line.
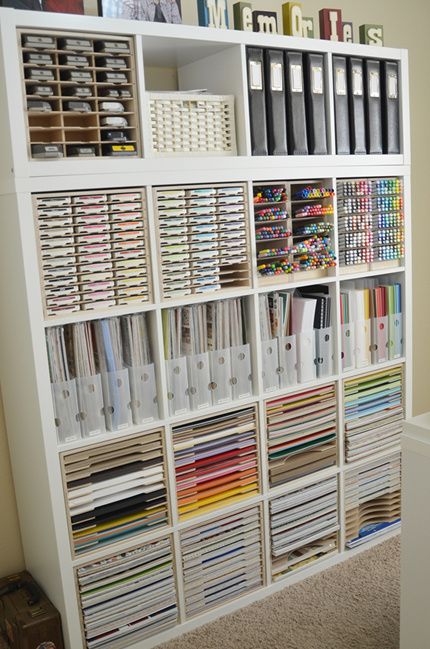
x=203 y=58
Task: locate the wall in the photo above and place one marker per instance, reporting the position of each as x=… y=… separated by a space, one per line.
x=406 y=25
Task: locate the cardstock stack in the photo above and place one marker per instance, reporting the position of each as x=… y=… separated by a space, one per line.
x=203 y=238
x=372 y=500
x=373 y=413
x=115 y=490
x=304 y=524
x=221 y=560
x=301 y=433
x=129 y=596
x=216 y=462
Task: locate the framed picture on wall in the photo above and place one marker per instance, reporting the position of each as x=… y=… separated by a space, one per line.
x=58 y=6
x=159 y=11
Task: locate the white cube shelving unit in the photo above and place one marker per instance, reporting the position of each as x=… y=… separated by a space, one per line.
x=202 y=57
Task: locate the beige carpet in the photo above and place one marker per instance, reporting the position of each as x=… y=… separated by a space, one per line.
x=352 y=606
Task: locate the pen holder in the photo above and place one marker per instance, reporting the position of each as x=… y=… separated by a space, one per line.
x=177 y=386
x=90 y=400
x=241 y=373
x=306 y=354
x=379 y=340
x=198 y=381
x=116 y=397
x=270 y=363
x=143 y=392
x=220 y=376
x=348 y=346
x=395 y=336
x=287 y=361
x=362 y=343
x=324 y=352
x=66 y=411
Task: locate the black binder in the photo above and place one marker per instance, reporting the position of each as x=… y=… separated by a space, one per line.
x=274 y=80
x=390 y=107
x=373 y=106
x=357 y=125
x=341 y=110
x=296 y=115
x=257 y=101
x=315 y=103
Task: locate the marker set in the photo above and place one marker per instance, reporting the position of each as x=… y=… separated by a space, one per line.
x=93 y=250
x=187 y=123
x=372 y=500
x=373 y=413
x=301 y=433
x=304 y=525
x=203 y=238
x=370 y=221
x=115 y=490
x=80 y=95
x=293 y=235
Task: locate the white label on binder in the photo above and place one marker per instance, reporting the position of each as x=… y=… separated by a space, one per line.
x=256 y=75
x=276 y=77
x=374 y=84
x=340 y=81
x=296 y=78
x=392 y=86
x=317 y=80
x=357 y=82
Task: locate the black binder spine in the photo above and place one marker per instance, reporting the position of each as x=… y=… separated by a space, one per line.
x=373 y=107
x=356 y=106
x=315 y=103
x=257 y=101
x=296 y=115
x=390 y=107
x=274 y=80
x=341 y=109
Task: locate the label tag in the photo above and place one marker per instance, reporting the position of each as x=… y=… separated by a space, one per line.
x=296 y=78
x=317 y=80
x=374 y=84
x=276 y=77
x=256 y=75
x=357 y=82
x=340 y=81
x=392 y=86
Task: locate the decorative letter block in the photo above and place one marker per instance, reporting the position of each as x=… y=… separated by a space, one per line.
x=213 y=13
x=242 y=15
x=372 y=34
x=348 y=32
x=265 y=21
x=308 y=27
x=292 y=18
x=331 y=24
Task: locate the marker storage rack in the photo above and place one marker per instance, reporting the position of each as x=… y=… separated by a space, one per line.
x=180 y=335
x=93 y=250
x=203 y=238
x=81 y=95
x=370 y=223
x=294 y=230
